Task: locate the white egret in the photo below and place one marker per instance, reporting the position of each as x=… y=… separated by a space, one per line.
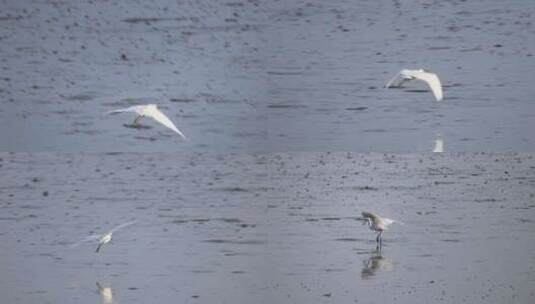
x=431 y=79
x=377 y=223
x=103 y=238
x=152 y=111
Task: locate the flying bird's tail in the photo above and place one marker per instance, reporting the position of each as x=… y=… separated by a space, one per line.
x=98 y=248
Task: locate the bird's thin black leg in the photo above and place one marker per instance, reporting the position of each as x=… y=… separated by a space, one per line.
x=380 y=238
x=136 y=121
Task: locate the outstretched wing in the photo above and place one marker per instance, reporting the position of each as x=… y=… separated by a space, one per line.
x=123 y=225
x=135 y=109
x=398 y=80
x=393 y=80
x=164 y=120
x=433 y=82
x=89 y=238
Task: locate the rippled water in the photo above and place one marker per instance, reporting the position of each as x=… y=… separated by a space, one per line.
x=267 y=228
x=259 y=76
x=253 y=209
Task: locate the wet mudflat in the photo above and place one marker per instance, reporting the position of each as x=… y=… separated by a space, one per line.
x=267 y=228
x=266 y=76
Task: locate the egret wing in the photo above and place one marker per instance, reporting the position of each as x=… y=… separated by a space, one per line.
x=399 y=79
x=123 y=225
x=89 y=238
x=135 y=109
x=164 y=120
x=394 y=80
x=433 y=82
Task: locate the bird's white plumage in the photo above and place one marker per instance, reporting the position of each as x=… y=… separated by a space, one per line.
x=89 y=238
x=136 y=109
x=431 y=79
x=152 y=111
x=376 y=222
x=123 y=225
x=103 y=238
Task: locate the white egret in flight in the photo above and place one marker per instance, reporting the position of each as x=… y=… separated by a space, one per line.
x=152 y=111
x=431 y=79
x=103 y=238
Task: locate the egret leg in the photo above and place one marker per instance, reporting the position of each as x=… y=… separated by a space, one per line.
x=380 y=237
x=380 y=241
x=136 y=121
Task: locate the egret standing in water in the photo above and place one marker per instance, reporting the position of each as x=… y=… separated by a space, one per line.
x=377 y=224
x=431 y=79
x=152 y=111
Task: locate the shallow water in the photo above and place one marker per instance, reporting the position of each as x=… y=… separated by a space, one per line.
x=252 y=76
x=267 y=228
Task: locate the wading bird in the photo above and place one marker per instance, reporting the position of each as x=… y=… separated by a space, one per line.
x=431 y=79
x=152 y=111
x=377 y=224
x=103 y=238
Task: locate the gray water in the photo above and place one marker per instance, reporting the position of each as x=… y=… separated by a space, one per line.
x=268 y=228
x=264 y=76
x=253 y=208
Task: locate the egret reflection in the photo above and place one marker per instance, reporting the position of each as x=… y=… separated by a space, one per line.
x=374 y=264
x=106 y=294
x=439 y=145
